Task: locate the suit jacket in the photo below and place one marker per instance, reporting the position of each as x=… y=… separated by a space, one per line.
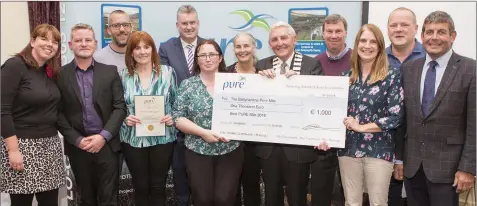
x=171 y=53
x=444 y=140
x=108 y=99
x=294 y=153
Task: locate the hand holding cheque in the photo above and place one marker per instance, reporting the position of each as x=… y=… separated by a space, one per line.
x=300 y=110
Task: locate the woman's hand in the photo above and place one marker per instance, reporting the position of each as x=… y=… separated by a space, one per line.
x=168 y=120
x=352 y=124
x=132 y=120
x=16 y=160
x=323 y=146
x=211 y=137
x=269 y=73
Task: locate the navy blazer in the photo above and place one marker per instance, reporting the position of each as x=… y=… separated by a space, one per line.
x=172 y=54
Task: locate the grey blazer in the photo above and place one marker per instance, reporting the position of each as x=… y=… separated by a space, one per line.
x=444 y=140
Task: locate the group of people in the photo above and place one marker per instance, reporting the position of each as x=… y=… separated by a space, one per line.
x=410 y=117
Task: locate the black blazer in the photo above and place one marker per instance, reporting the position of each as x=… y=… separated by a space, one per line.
x=294 y=153
x=108 y=99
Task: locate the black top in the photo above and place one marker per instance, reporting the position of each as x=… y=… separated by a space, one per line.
x=29 y=101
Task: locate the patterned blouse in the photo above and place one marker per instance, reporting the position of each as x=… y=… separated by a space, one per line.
x=381 y=103
x=194 y=103
x=162 y=85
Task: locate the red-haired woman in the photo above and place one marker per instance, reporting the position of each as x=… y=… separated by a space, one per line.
x=148 y=157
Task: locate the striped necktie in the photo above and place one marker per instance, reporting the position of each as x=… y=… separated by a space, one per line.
x=283 y=68
x=190 y=57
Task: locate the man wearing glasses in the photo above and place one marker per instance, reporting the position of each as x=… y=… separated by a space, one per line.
x=119 y=28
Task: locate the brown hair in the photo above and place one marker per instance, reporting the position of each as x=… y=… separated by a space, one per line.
x=439 y=17
x=379 y=69
x=334 y=19
x=134 y=40
x=196 y=68
x=43 y=30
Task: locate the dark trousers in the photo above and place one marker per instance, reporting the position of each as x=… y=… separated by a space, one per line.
x=421 y=192
x=181 y=182
x=149 y=167
x=278 y=170
x=214 y=179
x=395 y=191
x=96 y=175
x=323 y=173
x=47 y=198
x=249 y=179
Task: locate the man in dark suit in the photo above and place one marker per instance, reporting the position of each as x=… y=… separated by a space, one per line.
x=439 y=151
x=282 y=163
x=178 y=52
x=91 y=112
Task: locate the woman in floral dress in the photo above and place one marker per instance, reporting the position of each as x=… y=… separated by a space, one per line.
x=375 y=110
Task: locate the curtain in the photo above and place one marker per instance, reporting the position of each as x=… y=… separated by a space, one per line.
x=44 y=12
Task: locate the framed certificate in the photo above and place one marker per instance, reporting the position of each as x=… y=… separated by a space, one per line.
x=150 y=110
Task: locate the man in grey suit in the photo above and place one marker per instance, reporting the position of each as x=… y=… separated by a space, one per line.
x=178 y=52
x=282 y=163
x=439 y=92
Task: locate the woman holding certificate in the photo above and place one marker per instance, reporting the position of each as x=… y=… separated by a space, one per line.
x=213 y=163
x=147 y=156
x=375 y=110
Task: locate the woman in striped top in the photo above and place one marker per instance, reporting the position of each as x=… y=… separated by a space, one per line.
x=148 y=158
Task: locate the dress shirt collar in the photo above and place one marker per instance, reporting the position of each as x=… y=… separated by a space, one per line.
x=184 y=44
x=441 y=61
x=90 y=66
x=418 y=48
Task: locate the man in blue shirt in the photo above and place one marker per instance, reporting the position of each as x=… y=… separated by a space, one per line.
x=402 y=29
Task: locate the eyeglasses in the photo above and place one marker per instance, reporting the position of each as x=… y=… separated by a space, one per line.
x=211 y=56
x=118 y=25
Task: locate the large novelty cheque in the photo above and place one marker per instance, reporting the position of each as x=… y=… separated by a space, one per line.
x=300 y=110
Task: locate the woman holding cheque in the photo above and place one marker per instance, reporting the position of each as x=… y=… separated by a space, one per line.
x=244 y=49
x=375 y=110
x=148 y=157
x=213 y=163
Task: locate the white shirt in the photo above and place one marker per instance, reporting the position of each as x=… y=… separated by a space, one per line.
x=186 y=50
x=287 y=68
x=442 y=62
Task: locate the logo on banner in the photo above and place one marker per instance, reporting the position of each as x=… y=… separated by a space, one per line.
x=252 y=20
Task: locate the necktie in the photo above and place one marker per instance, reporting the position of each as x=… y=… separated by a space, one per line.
x=283 y=68
x=190 y=57
x=429 y=88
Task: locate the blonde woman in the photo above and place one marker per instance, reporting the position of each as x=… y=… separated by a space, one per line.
x=375 y=110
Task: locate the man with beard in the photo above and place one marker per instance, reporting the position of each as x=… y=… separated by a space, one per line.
x=402 y=29
x=178 y=52
x=91 y=112
x=439 y=98
x=119 y=28
x=284 y=163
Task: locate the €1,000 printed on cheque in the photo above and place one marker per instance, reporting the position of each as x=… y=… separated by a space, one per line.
x=301 y=110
